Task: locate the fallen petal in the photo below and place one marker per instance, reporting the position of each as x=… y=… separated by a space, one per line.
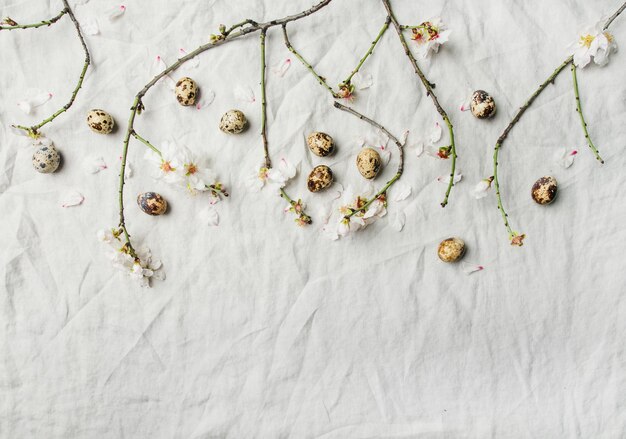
x=435 y=134
x=90 y=26
x=281 y=68
x=116 y=12
x=93 y=165
x=400 y=191
x=35 y=99
x=193 y=62
x=446 y=178
x=71 y=198
x=398 y=220
x=565 y=157
x=362 y=81
x=206 y=98
x=244 y=93
x=211 y=217
x=471 y=268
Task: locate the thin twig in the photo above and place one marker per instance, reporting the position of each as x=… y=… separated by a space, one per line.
x=138 y=104
x=517 y=239
x=33 y=130
x=400 y=160
x=579 y=110
x=429 y=91
x=145 y=142
x=319 y=78
x=369 y=52
x=268 y=163
x=34 y=25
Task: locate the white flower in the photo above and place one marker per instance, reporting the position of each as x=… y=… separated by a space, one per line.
x=196 y=177
x=430 y=35
x=169 y=163
x=594 y=43
x=142 y=268
x=482 y=188
x=274 y=177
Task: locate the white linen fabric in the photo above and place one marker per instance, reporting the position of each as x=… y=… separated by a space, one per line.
x=263 y=329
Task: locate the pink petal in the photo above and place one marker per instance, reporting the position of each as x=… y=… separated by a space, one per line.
x=71 y=198
x=471 y=268
x=281 y=69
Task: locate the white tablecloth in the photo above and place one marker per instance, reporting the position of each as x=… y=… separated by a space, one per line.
x=266 y=330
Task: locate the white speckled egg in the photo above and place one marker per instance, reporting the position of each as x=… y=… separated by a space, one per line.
x=451 y=249
x=320 y=144
x=100 y=121
x=186 y=91
x=483 y=106
x=320 y=178
x=368 y=163
x=152 y=203
x=544 y=190
x=46 y=159
x=233 y=122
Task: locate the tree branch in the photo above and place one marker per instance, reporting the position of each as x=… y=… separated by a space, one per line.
x=579 y=110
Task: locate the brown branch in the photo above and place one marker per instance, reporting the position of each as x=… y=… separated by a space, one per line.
x=13 y=25
x=429 y=91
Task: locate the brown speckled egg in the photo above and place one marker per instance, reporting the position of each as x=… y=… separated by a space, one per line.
x=233 y=122
x=320 y=144
x=451 y=249
x=46 y=159
x=544 y=190
x=368 y=163
x=483 y=106
x=186 y=91
x=320 y=178
x=152 y=203
x=100 y=121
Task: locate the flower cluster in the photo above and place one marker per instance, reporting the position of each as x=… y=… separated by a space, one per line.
x=140 y=267
x=176 y=165
x=430 y=35
x=297 y=208
x=594 y=43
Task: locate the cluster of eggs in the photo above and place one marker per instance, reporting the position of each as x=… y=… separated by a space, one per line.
x=368 y=161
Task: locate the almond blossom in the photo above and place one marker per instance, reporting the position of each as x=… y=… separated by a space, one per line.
x=594 y=42
x=141 y=268
x=273 y=177
x=430 y=35
x=482 y=188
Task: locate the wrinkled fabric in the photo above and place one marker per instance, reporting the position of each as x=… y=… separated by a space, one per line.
x=263 y=329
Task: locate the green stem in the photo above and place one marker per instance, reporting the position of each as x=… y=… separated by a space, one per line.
x=429 y=92
x=33 y=130
x=320 y=79
x=268 y=163
x=145 y=142
x=370 y=51
x=582 y=118
x=36 y=25
x=304 y=218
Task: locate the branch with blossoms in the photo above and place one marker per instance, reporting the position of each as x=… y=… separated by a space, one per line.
x=10 y=24
x=429 y=36
x=595 y=43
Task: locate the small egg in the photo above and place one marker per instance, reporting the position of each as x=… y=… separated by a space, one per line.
x=46 y=159
x=186 y=91
x=100 y=121
x=483 y=106
x=320 y=144
x=451 y=249
x=233 y=122
x=320 y=178
x=152 y=203
x=368 y=163
x=544 y=190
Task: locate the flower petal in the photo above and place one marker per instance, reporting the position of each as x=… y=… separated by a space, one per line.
x=93 y=165
x=244 y=93
x=71 y=198
x=116 y=12
x=90 y=26
x=34 y=99
x=400 y=191
x=446 y=178
x=435 y=134
x=471 y=268
x=211 y=216
x=362 y=81
x=281 y=68
x=565 y=157
x=206 y=98
x=193 y=62
x=398 y=220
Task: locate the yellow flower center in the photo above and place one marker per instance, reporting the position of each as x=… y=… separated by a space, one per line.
x=191 y=169
x=166 y=167
x=586 y=40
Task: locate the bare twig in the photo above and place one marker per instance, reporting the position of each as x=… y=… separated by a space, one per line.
x=395 y=140
x=13 y=25
x=268 y=162
x=579 y=110
x=369 y=52
x=429 y=91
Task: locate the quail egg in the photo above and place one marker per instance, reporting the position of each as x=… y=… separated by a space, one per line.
x=233 y=122
x=320 y=178
x=100 y=121
x=152 y=203
x=186 y=91
x=320 y=144
x=368 y=163
x=451 y=249
x=46 y=159
x=544 y=190
x=483 y=106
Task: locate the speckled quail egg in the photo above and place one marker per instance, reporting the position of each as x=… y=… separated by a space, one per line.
x=320 y=178
x=100 y=121
x=451 y=249
x=46 y=159
x=186 y=91
x=152 y=203
x=368 y=163
x=320 y=144
x=544 y=190
x=233 y=122
x=483 y=106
